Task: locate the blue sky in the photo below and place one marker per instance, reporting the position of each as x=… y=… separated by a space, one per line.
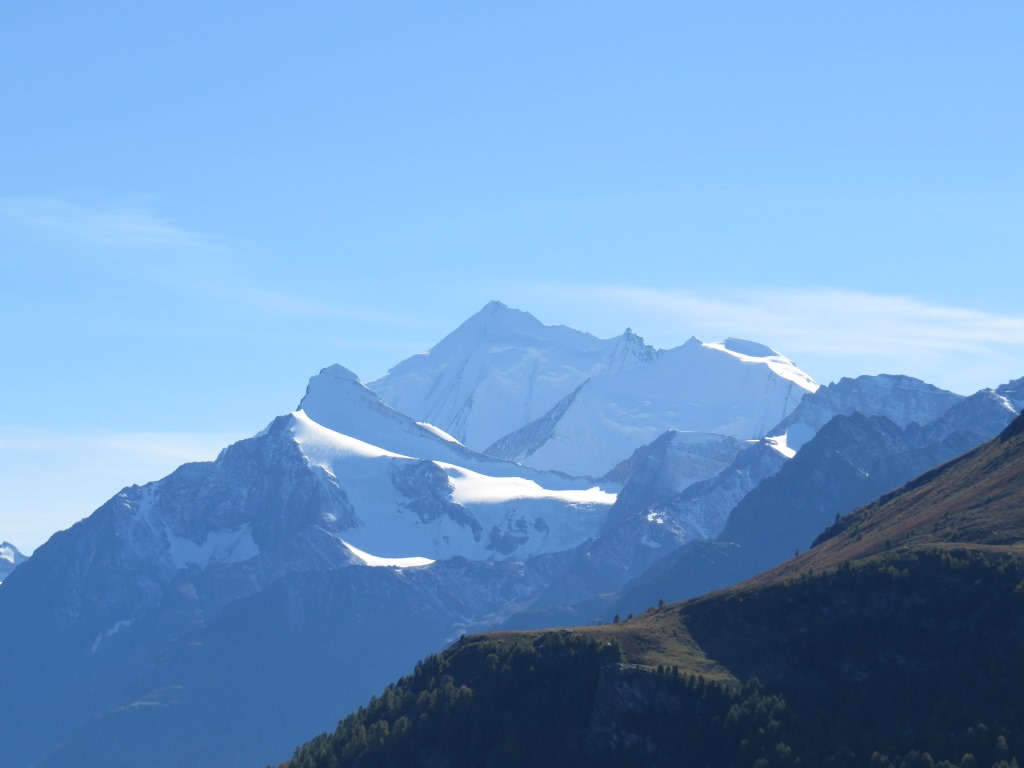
x=202 y=206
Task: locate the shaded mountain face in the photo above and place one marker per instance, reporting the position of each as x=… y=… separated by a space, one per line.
x=668 y=466
x=904 y=655
x=660 y=545
x=976 y=499
x=1013 y=391
x=646 y=525
x=279 y=665
x=901 y=399
x=850 y=461
x=10 y=558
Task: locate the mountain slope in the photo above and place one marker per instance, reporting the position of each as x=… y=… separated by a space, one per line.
x=901 y=399
x=501 y=369
x=735 y=388
x=900 y=657
x=975 y=501
x=559 y=399
x=298 y=520
x=647 y=524
x=852 y=461
x=849 y=462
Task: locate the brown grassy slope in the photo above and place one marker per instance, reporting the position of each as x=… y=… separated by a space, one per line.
x=654 y=638
x=973 y=502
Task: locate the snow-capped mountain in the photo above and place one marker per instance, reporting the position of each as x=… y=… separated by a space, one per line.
x=674 y=461
x=901 y=399
x=234 y=608
x=416 y=494
x=557 y=399
x=104 y=609
x=736 y=388
x=500 y=370
x=1013 y=391
x=701 y=510
x=10 y=558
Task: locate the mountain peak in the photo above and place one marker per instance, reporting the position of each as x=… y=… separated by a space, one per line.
x=1013 y=391
x=11 y=553
x=10 y=558
x=495 y=317
x=340 y=372
x=335 y=396
x=496 y=372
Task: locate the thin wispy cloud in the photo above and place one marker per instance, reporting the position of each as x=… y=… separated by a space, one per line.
x=821 y=318
x=193 y=263
x=284 y=303
x=827 y=329
x=113 y=225
x=174 y=446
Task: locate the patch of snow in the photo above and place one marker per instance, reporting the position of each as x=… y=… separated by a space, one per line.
x=648 y=542
x=779 y=444
x=438 y=431
x=233 y=546
x=1003 y=401
x=424 y=505
x=470 y=487
x=112 y=631
x=388 y=562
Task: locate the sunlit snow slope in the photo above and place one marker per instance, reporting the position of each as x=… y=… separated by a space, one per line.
x=736 y=388
x=501 y=369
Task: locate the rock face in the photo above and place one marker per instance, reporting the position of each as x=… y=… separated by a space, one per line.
x=1013 y=391
x=901 y=399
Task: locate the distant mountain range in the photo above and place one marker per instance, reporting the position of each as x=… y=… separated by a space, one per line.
x=517 y=474
x=894 y=641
